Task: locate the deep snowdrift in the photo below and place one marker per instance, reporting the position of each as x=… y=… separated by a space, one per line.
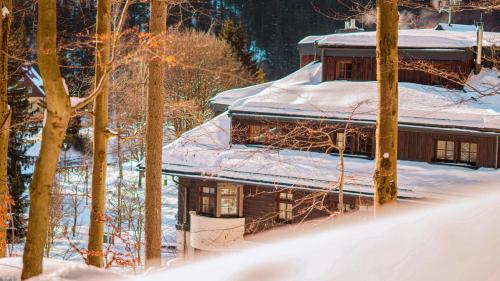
x=455 y=242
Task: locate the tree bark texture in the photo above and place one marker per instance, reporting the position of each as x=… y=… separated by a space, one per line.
x=53 y=133
x=5 y=116
x=98 y=208
x=385 y=176
x=154 y=137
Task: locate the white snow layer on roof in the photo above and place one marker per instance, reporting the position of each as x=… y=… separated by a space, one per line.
x=230 y=96
x=456 y=27
x=483 y=89
x=206 y=151
x=310 y=73
x=410 y=38
x=34 y=77
x=301 y=94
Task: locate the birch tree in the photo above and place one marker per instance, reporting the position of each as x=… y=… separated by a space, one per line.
x=385 y=176
x=5 y=115
x=101 y=134
x=154 y=136
x=53 y=133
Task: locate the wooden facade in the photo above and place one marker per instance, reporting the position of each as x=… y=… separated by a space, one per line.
x=260 y=204
x=306 y=59
x=426 y=72
x=415 y=143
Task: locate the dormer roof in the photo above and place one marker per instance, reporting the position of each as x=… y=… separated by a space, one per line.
x=460 y=37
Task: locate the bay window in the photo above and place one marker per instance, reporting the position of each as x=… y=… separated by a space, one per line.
x=207 y=200
x=228 y=199
x=224 y=201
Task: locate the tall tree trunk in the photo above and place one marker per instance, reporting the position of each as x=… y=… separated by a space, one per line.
x=385 y=177
x=154 y=137
x=5 y=115
x=103 y=49
x=54 y=131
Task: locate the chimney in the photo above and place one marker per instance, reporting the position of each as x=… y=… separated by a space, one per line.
x=479 y=48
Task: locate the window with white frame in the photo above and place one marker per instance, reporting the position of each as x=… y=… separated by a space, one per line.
x=228 y=199
x=285 y=206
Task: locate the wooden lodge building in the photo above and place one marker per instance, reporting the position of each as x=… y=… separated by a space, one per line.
x=271 y=156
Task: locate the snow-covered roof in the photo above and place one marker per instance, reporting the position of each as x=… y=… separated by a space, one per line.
x=206 y=152
x=408 y=38
x=32 y=74
x=301 y=94
x=455 y=27
x=228 y=97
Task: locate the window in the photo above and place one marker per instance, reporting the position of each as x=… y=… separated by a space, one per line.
x=259 y=134
x=229 y=200
x=344 y=70
x=347 y=207
x=468 y=152
x=365 y=145
x=207 y=200
x=340 y=137
x=462 y=152
x=445 y=150
x=285 y=206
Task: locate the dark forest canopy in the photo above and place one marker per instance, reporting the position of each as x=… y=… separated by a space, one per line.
x=273 y=26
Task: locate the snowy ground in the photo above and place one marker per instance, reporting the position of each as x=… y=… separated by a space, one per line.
x=74 y=188
x=458 y=241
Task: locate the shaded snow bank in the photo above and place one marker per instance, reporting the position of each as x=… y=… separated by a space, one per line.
x=54 y=270
x=458 y=242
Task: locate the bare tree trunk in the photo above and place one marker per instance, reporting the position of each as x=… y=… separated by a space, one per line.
x=119 y=187
x=5 y=115
x=103 y=51
x=54 y=131
x=385 y=177
x=154 y=138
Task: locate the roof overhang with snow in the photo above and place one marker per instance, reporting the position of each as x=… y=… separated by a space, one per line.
x=206 y=153
x=408 y=38
x=301 y=95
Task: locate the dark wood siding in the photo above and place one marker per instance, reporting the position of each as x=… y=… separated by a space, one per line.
x=259 y=208
x=305 y=59
x=260 y=204
x=417 y=144
x=421 y=146
x=365 y=69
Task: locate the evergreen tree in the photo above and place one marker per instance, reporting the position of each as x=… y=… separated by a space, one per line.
x=22 y=130
x=20 y=140
x=237 y=37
